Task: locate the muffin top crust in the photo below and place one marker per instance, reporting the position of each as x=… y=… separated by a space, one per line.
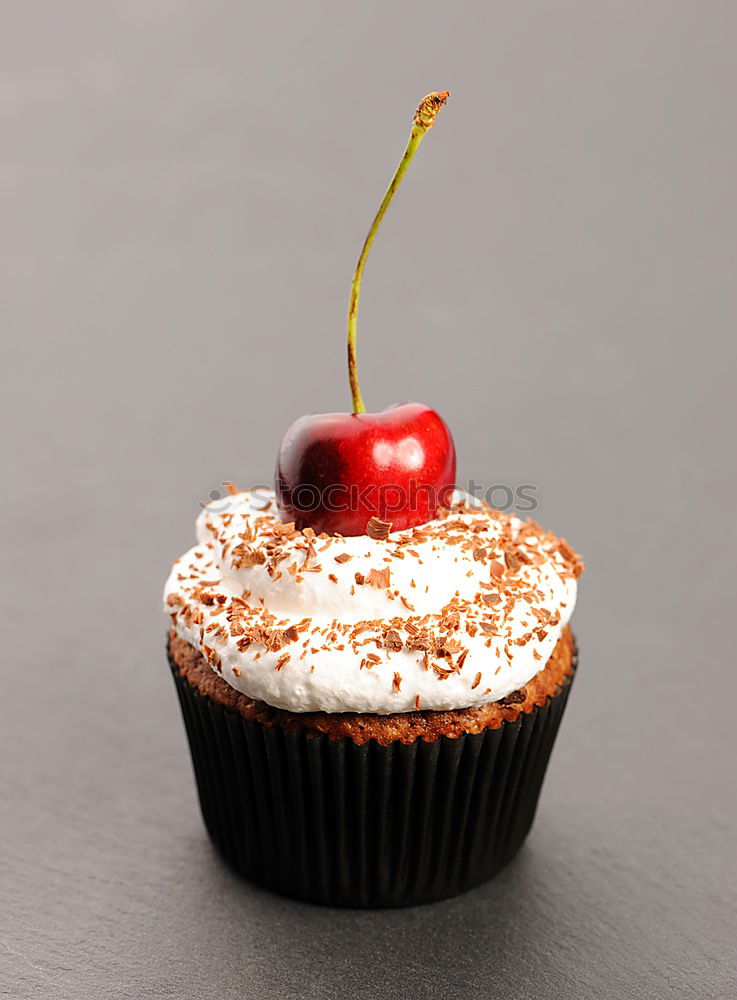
x=459 y=612
x=361 y=727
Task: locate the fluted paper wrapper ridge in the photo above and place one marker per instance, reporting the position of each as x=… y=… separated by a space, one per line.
x=337 y=823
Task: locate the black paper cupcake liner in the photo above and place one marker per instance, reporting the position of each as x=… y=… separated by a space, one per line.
x=366 y=826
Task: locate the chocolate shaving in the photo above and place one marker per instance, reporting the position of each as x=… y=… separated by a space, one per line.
x=285 y=658
x=491 y=599
x=515 y=697
x=512 y=561
x=244 y=557
x=450 y=620
x=448 y=646
x=573 y=559
x=393 y=640
x=421 y=644
x=378 y=529
x=378 y=578
x=497 y=570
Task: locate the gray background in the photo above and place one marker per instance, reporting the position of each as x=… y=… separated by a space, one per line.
x=183 y=191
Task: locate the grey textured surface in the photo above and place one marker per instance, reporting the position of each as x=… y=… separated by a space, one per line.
x=184 y=188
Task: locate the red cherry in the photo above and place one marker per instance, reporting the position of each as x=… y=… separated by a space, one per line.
x=335 y=471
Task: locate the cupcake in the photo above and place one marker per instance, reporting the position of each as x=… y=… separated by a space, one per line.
x=370 y=719
x=371 y=665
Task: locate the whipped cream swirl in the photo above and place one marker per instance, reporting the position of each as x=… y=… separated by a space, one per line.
x=458 y=612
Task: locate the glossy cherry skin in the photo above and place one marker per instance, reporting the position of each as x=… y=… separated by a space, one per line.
x=335 y=471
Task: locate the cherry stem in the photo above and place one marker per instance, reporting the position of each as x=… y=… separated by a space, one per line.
x=423 y=121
